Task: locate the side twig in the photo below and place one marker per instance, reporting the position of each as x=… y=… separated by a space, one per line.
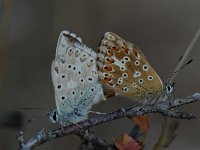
x=166 y=108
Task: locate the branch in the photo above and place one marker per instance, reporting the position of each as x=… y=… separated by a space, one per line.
x=166 y=108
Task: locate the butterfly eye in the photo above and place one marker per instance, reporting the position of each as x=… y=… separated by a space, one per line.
x=124 y=75
x=59 y=86
x=77 y=52
x=125 y=89
x=90 y=62
x=126 y=59
x=120 y=80
x=169 y=88
x=63 y=76
x=137 y=63
x=90 y=79
x=107 y=59
x=69 y=66
x=134 y=84
x=122 y=69
x=141 y=81
x=137 y=74
x=70 y=52
x=83 y=57
x=123 y=62
x=145 y=67
x=150 y=77
x=54 y=116
x=105 y=74
x=62 y=97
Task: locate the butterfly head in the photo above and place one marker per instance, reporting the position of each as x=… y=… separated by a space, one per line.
x=123 y=67
x=52 y=115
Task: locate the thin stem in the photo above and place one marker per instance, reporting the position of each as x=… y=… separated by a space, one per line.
x=184 y=57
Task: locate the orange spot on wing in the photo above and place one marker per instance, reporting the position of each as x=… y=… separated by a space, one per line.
x=114 y=48
x=109 y=53
x=126 y=50
x=108 y=68
x=111 y=60
x=107 y=79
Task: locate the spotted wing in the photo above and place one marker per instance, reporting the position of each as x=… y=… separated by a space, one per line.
x=75 y=79
x=124 y=68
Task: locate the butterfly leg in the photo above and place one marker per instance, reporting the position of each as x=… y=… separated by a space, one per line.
x=98 y=113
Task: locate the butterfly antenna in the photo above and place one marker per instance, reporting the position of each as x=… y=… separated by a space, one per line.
x=179 y=69
x=183 y=58
x=33 y=108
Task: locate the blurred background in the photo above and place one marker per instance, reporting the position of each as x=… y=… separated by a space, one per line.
x=28 y=38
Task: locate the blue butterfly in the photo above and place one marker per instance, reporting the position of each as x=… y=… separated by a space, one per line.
x=75 y=80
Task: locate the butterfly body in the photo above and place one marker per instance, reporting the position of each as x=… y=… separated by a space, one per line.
x=75 y=80
x=123 y=68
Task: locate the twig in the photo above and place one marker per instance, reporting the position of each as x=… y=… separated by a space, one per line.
x=166 y=136
x=165 y=108
x=90 y=137
x=5 y=42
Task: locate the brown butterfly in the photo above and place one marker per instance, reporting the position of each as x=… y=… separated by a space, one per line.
x=123 y=68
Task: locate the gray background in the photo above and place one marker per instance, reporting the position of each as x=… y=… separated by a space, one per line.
x=161 y=28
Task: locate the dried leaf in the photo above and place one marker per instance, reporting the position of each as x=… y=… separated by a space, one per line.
x=142 y=122
x=167 y=134
x=125 y=142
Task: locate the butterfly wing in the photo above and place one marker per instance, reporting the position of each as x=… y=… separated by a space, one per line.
x=124 y=68
x=75 y=79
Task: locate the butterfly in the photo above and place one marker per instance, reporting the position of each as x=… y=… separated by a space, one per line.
x=123 y=68
x=75 y=80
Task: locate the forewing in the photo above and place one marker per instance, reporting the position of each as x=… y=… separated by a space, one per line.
x=124 y=68
x=75 y=78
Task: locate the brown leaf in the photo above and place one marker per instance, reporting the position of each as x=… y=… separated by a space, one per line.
x=125 y=142
x=142 y=122
x=167 y=134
